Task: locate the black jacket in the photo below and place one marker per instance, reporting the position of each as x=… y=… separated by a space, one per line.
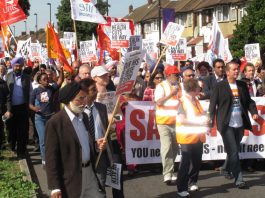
x=221 y=104
x=4 y=98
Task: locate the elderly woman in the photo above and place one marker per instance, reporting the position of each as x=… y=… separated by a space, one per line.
x=191 y=126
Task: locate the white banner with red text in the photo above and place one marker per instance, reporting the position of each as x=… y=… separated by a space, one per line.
x=143 y=142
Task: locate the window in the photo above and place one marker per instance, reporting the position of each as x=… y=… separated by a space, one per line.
x=242 y=13
x=233 y=13
x=147 y=27
x=207 y=17
x=225 y=13
x=219 y=13
x=189 y=20
x=154 y=25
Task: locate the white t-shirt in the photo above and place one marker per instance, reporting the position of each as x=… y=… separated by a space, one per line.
x=236 y=120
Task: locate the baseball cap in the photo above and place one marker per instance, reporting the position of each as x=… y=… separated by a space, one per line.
x=98 y=71
x=171 y=70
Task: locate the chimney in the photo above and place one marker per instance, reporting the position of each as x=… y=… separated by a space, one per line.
x=150 y=2
x=130 y=9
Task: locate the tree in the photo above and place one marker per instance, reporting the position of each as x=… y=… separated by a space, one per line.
x=25 y=5
x=251 y=30
x=84 y=29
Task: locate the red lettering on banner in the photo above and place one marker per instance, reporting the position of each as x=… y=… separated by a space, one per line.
x=151 y=127
x=137 y=135
x=259 y=130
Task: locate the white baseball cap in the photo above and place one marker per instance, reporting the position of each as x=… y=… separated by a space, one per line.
x=98 y=71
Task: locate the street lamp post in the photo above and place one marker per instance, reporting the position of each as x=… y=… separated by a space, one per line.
x=50 y=5
x=159 y=24
x=36 y=25
x=25 y=26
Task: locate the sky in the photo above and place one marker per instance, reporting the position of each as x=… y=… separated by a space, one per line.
x=119 y=8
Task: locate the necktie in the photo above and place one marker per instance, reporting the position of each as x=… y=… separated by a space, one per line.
x=251 y=90
x=91 y=125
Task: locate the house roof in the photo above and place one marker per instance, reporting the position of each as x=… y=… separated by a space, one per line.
x=210 y=3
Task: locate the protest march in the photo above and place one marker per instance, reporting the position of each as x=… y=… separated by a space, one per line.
x=102 y=98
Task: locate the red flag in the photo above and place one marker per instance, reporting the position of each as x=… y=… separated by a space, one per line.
x=10 y=12
x=243 y=64
x=104 y=42
x=57 y=48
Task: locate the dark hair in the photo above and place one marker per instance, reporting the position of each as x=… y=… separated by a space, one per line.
x=85 y=83
x=43 y=66
x=260 y=68
x=152 y=77
x=236 y=60
x=248 y=65
x=190 y=85
x=39 y=76
x=218 y=60
x=203 y=63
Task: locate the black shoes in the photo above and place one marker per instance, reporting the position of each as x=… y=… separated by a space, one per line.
x=242 y=185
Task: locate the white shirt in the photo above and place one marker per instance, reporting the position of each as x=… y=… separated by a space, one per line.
x=81 y=133
x=236 y=120
x=99 y=128
x=218 y=79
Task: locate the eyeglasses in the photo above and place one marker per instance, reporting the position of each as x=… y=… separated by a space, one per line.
x=157 y=78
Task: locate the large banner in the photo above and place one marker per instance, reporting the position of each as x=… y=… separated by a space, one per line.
x=143 y=142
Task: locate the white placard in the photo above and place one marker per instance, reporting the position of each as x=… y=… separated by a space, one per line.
x=252 y=51
x=172 y=34
x=113 y=176
x=88 y=51
x=120 y=34
x=135 y=43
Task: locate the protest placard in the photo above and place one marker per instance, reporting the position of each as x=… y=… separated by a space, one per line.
x=72 y=39
x=113 y=176
x=135 y=43
x=252 y=51
x=68 y=43
x=23 y=48
x=172 y=34
x=178 y=52
x=131 y=66
x=108 y=99
x=120 y=34
x=151 y=49
x=143 y=142
x=35 y=51
x=2 y=50
x=88 y=51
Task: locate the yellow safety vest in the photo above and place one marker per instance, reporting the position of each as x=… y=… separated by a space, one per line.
x=190 y=134
x=166 y=113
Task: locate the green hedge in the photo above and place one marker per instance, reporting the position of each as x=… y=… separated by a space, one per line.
x=12 y=182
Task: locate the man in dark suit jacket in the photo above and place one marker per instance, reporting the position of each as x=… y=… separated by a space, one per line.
x=19 y=85
x=100 y=120
x=211 y=80
x=70 y=150
x=5 y=107
x=229 y=103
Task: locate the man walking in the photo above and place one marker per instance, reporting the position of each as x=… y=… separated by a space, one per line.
x=70 y=150
x=229 y=103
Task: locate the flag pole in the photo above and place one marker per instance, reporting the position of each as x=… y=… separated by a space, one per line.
x=158 y=61
x=108 y=129
x=76 y=40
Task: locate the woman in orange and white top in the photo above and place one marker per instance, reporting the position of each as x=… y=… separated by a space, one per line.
x=191 y=126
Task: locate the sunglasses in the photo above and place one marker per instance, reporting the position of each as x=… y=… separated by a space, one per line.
x=157 y=78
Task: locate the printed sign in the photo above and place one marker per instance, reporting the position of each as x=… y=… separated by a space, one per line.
x=143 y=142
x=85 y=10
x=135 y=43
x=88 y=51
x=35 y=51
x=151 y=49
x=120 y=34
x=108 y=99
x=113 y=176
x=178 y=52
x=131 y=66
x=252 y=51
x=172 y=34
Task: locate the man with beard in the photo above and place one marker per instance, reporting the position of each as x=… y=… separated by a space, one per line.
x=70 y=150
x=19 y=85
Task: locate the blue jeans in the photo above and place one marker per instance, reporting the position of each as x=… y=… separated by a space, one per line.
x=232 y=138
x=40 y=122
